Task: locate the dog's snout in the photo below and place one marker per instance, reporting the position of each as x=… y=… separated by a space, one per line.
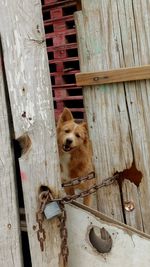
x=68 y=141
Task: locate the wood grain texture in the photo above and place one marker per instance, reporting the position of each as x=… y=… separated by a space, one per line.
x=108 y=128
x=113 y=76
x=10 y=241
x=30 y=95
x=112 y=35
x=130 y=195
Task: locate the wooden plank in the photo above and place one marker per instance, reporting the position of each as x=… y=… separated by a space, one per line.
x=113 y=76
x=131 y=198
x=127 y=244
x=118 y=114
x=135 y=46
x=108 y=127
x=30 y=95
x=10 y=243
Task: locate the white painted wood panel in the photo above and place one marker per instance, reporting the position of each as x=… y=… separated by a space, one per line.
x=129 y=247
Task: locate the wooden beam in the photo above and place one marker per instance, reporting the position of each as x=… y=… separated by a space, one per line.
x=113 y=76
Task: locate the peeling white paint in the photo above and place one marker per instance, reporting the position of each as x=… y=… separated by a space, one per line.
x=17 y=43
x=16 y=17
x=30 y=108
x=17 y=77
x=22 y=64
x=4 y=3
x=47 y=89
x=7 y=42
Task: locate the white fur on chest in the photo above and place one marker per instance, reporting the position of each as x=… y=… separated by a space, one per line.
x=64 y=161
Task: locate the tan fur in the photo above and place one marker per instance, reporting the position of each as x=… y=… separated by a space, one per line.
x=75 y=152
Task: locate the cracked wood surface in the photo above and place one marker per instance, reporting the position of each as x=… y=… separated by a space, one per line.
x=30 y=93
x=111 y=35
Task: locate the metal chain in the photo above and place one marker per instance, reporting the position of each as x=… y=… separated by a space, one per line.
x=41 y=233
x=91 y=190
x=78 y=180
x=64 y=235
x=46 y=197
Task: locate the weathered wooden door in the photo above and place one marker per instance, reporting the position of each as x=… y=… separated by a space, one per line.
x=25 y=91
x=113 y=35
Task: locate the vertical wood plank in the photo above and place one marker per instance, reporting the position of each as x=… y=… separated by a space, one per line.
x=135 y=35
x=30 y=94
x=10 y=241
x=131 y=197
x=106 y=114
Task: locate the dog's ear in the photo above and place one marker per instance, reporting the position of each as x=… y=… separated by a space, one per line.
x=65 y=116
x=84 y=124
x=85 y=127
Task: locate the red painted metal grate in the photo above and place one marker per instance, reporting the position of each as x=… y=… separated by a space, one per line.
x=63 y=55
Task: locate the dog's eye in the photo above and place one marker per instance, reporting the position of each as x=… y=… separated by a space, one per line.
x=67 y=131
x=77 y=135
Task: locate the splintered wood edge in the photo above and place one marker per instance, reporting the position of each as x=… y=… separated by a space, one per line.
x=113 y=76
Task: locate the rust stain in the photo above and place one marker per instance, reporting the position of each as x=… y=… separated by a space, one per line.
x=132 y=174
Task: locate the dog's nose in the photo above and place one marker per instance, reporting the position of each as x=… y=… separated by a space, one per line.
x=68 y=141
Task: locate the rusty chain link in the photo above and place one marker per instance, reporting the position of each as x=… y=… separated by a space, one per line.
x=46 y=197
x=78 y=180
x=89 y=191
x=64 y=235
x=43 y=198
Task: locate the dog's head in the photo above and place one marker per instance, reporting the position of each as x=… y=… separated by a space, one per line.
x=70 y=135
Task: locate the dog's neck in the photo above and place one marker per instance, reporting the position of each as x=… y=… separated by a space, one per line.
x=74 y=164
x=64 y=165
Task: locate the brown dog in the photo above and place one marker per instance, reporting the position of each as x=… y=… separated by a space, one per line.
x=75 y=152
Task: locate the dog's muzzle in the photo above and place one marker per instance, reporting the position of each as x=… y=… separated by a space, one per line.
x=67 y=145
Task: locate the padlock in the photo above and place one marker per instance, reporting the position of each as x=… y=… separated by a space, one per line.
x=52 y=210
